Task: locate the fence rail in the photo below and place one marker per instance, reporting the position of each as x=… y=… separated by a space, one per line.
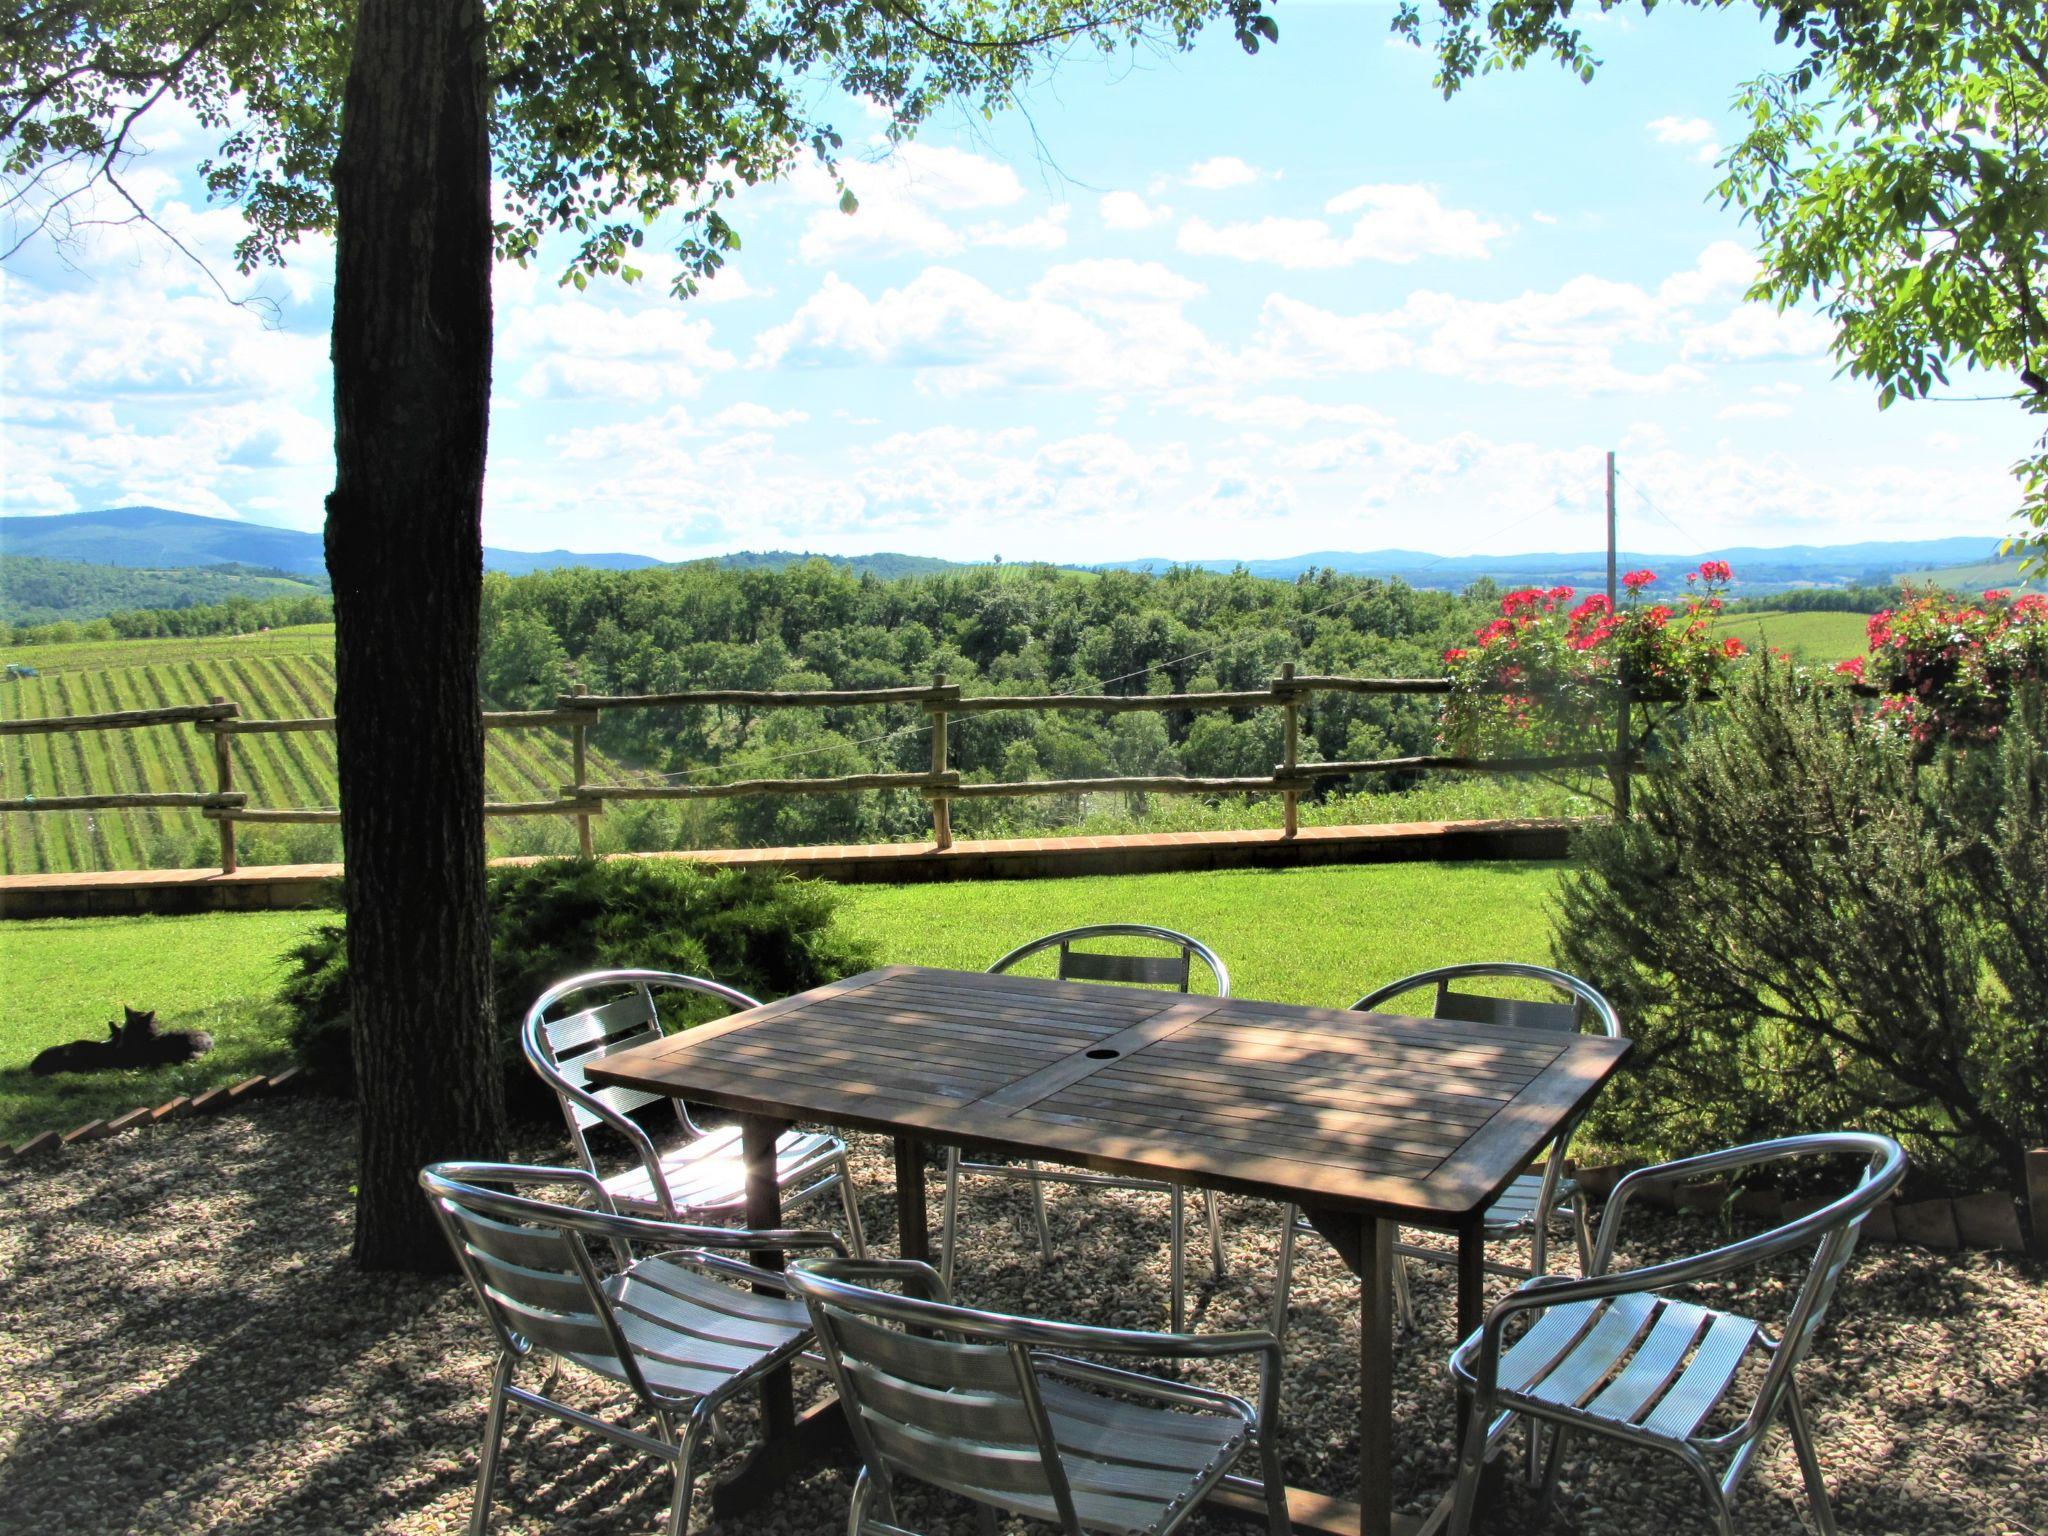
x=578 y=711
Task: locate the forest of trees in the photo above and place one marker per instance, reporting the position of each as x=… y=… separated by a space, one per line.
x=1019 y=629
x=37 y=594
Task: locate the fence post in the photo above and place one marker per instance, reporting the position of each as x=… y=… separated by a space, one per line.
x=224 y=783
x=1618 y=771
x=579 y=735
x=942 y=808
x=1290 y=801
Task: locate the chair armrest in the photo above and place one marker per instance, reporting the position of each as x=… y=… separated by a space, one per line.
x=903 y=1271
x=1139 y=1385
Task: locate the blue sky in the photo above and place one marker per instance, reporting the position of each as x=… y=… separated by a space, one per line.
x=1206 y=306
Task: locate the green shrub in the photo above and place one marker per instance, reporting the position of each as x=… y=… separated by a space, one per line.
x=1805 y=930
x=762 y=932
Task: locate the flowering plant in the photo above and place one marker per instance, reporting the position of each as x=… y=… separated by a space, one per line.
x=1948 y=667
x=1542 y=675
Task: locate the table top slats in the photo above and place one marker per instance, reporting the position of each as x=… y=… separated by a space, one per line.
x=1413 y=1119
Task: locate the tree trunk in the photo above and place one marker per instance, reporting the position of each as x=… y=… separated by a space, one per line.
x=412 y=374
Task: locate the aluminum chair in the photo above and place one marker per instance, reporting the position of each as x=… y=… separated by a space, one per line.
x=997 y=1409
x=704 y=1175
x=674 y=1327
x=1527 y=1205
x=1175 y=971
x=1613 y=1355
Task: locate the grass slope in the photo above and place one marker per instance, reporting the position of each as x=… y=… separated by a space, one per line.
x=1320 y=936
x=63 y=979
x=279 y=674
x=1810 y=637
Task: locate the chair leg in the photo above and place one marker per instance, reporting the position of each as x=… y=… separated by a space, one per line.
x=1809 y=1463
x=857 y=1511
x=1471 y=1466
x=1038 y=1215
x=1404 y=1300
x=1177 y=1259
x=1582 y=1229
x=949 y=1216
x=686 y=1445
x=849 y=1201
x=1214 y=1210
x=1275 y=1479
x=1553 y=1464
x=1283 y=1272
x=487 y=1458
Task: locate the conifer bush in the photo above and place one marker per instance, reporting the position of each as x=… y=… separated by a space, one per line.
x=1810 y=924
x=766 y=933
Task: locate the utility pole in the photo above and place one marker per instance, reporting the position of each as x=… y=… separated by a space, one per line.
x=1618 y=771
x=1612 y=595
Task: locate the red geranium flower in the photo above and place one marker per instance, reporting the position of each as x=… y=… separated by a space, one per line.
x=1715 y=570
x=1853 y=667
x=1635 y=581
x=1732 y=648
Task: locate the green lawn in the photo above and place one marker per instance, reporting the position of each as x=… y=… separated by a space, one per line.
x=63 y=979
x=1320 y=936
x=1305 y=936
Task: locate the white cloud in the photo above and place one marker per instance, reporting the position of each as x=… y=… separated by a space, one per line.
x=1757 y=333
x=1395 y=223
x=1127 y=210
x=1221 y=173
x=576 y=348
x=1047 y=232
x=1694 y=133
x=1753 y=410
x=1101 y=324
x=905 y=201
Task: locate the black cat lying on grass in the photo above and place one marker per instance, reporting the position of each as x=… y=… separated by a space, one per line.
x=135 y=1043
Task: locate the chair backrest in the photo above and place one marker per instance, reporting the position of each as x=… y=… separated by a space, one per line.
x=529 y=1263
x=1583 y=1004
x=932 y=1397
x=586 y=1018
x=1175 y=970
x=1833 y=1230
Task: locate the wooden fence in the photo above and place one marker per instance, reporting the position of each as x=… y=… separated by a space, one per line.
x=940 y=785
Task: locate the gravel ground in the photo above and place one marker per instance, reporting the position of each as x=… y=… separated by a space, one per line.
x=184 y=1347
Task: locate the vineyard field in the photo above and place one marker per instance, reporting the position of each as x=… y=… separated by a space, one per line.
x=1812 y=638
x=280 y=674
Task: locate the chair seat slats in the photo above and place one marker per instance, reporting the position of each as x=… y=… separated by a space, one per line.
x=1655 y=1363
x=1705 y=1379
x=674 y=1383
x=655 y=1340
x=1107 y=1429
x=1593 y=1358
x=673 y=1293
x=1516 y=1209
x=1548 y=1340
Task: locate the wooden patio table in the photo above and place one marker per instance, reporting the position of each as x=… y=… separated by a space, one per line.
x=1366 y=1121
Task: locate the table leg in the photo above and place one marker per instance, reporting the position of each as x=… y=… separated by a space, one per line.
x=913 y=1221
x=788 y=1444
x=1375 y=1377
x=1471 y=1315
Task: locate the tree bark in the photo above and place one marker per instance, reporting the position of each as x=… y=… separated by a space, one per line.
x=412 y=374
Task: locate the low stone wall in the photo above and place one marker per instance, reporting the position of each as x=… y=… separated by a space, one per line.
x=179 y=891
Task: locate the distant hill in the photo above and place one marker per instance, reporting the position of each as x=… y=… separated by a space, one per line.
x=1757 y=569
x=155 y=538
x=885 y=566
x=1973 y=577
x=34 y=590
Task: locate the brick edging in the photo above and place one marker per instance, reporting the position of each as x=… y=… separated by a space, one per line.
x=226 y=1096
x=1946 y=1224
